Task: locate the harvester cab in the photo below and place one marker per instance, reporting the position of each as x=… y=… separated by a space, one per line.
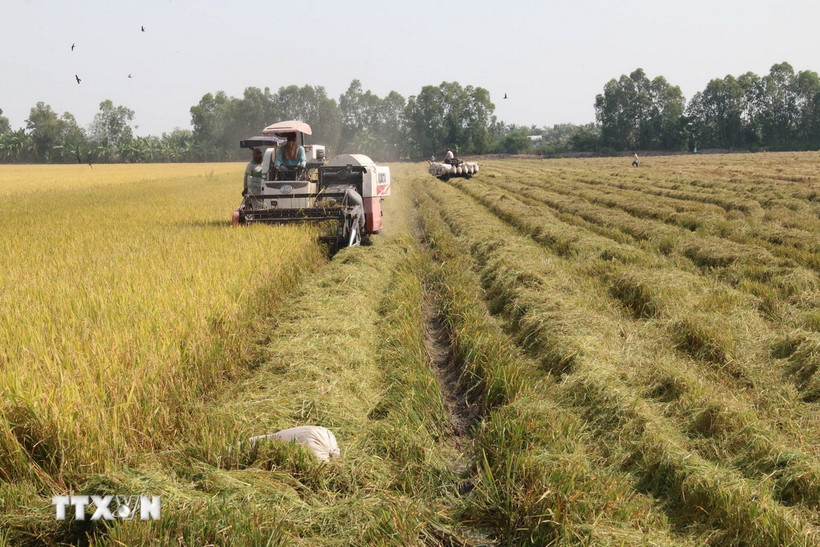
x=343 y=194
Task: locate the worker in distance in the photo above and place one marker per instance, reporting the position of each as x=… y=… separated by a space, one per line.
x=253 y=178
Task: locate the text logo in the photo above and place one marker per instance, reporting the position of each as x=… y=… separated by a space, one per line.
x=109 y=507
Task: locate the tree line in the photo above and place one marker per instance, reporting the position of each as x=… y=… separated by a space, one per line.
x=778 y=111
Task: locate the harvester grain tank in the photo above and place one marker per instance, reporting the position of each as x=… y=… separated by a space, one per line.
x=344 y=193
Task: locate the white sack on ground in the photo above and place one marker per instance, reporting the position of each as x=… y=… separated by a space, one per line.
x=319 y=439
x=466 y=168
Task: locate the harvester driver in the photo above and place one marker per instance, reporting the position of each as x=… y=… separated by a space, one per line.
x=253 y=178
x=290 y=159
x=448 y=157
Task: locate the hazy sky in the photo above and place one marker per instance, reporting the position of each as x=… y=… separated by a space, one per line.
x=550 y=57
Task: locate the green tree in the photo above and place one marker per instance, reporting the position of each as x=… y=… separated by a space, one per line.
x=220 y=122
x=110 y=130
x=15 y=146
x=516 y=142
x=587 y=138
x=449 y=115
x=251 y=114
x=716 y=114
x=636 y=112
x=664 y=120
x=779 y=113
x=788 y=107
x=48 y=133
x=182 y=141
x=140 y=149
x=371 y=125
x=752 y=86
x=556 y=139
x=808 y=97
x=618 y=112
x=359 y=112
x=392 y=131
x=478 y=120
x=312 y=106
x=74 y=146
x=5 y=126
x=211 y=120
x=424 y=116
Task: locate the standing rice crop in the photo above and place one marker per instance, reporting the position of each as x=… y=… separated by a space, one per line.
x=125 y=296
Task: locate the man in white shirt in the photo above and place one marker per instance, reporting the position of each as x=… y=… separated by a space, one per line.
x=253 y=178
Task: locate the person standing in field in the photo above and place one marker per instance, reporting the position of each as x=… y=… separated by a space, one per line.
x=635 y=161
x=253 y=178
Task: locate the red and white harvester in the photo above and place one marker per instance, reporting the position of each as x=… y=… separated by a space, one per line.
x=344 y=193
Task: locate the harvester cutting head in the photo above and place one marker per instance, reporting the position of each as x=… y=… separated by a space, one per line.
x=344 y=194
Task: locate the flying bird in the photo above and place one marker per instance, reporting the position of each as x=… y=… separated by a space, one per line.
x=78 y=78
x=142 y=28
x=505 y=95
x=129 y=75
x=72 y=47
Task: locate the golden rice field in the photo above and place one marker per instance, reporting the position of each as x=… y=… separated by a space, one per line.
x=553 y=352
x=124 y=294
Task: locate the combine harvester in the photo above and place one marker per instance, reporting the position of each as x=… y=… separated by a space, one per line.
x=344 y=194
x=456 y=168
